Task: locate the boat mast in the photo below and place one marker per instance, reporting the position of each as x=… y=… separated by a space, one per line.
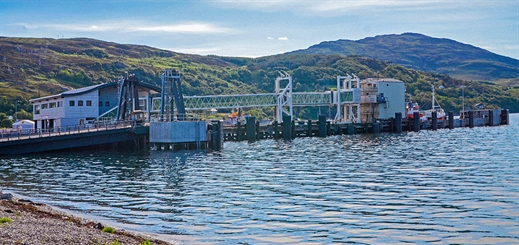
x=433 y=99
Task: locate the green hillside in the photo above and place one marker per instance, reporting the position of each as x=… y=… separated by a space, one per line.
x=420 y=52
x=36 y=67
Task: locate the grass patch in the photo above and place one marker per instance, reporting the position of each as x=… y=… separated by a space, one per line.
x=147 y=242
x=5 y=220
x=116 y=242
x=108 y=229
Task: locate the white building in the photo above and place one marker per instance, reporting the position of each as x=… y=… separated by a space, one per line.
x=84 y=105
x=381 y=98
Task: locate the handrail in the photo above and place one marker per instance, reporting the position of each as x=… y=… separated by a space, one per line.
x=19 y=134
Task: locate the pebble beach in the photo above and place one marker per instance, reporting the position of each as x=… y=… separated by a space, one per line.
x=26 y=222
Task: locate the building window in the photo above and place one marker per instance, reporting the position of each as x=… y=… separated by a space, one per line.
x=71 y=103
x=37 y=109
x=100 y=103
x=88 y=103
x=107 y=103
x=44 y=106
x=52 y=105
x=79 y=103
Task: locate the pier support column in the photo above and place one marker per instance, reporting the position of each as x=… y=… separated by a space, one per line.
x=491 y=118
x=471 y=119
x=434 y=116
x=398 y=122
x=276 y=130
x=309 y=128
x=350 y=129
x=250 y=129
x=505 y=117
x=376 y=128
x=239 y=132
x=416 y=121
x=258 y=131
x=451 y=119
x=287 y=127
x=322 y=126
x=217 y=135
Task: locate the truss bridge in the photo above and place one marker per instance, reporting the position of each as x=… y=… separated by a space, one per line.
x=346 y=98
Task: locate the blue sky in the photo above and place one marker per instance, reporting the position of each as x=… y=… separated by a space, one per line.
x=257 y=28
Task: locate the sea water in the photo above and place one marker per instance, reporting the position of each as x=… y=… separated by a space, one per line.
x=427 y=187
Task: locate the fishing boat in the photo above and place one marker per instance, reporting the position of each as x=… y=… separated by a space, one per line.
x=435 y=107
x=411 y=108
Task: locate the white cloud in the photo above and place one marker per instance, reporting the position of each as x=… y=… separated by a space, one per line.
x=125 y=27
x=342 y=7
x=283 y=38
x=270 y=38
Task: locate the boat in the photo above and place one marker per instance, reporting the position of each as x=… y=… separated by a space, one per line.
x=411 y=108
x=435 y=107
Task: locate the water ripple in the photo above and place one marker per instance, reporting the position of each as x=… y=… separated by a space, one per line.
x=445 y=186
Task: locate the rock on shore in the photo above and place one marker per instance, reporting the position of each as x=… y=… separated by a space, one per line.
x=25 y=222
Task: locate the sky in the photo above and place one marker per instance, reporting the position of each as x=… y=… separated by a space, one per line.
x=254 y=28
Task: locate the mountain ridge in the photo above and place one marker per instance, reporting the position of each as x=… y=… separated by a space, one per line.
x=37 y=67
x=421 y=52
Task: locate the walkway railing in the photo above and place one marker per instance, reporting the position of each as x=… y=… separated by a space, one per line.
x=19 y=134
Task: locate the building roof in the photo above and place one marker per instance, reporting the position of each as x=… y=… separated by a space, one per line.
x=84 y=90
x=371 y=80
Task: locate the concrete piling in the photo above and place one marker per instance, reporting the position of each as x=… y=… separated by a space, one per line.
x=376 y=128
x=505 y=117
x=416 y=121
x=434 y=118
x=322 y=126
x=287 y=127
x=471 y=119
x=451 y=120
x=250 y=129
x=398 y=122
x=309 y=129
x=350 y=128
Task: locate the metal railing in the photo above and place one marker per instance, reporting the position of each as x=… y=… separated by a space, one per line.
x=19 y=134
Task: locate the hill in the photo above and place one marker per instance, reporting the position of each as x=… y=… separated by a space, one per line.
x=36 y=67
x=420 y=52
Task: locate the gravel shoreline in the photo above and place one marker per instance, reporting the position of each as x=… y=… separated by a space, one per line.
x=26 y=222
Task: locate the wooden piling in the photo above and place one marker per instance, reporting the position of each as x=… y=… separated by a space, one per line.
x=309 y=128
x=239 y=132
x=451 y=119
x=258 y=132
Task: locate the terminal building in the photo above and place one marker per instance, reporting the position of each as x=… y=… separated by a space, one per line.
x=83 y=106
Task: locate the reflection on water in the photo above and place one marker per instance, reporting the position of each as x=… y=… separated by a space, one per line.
x=448 y=186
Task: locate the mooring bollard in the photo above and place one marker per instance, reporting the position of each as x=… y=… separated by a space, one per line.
x=434 y=122
x=398 y=122
x=250 y=129
x=416 y=121
x=287 y=127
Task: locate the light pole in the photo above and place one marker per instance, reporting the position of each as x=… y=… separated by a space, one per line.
x=16 y=111
x=463 y=97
